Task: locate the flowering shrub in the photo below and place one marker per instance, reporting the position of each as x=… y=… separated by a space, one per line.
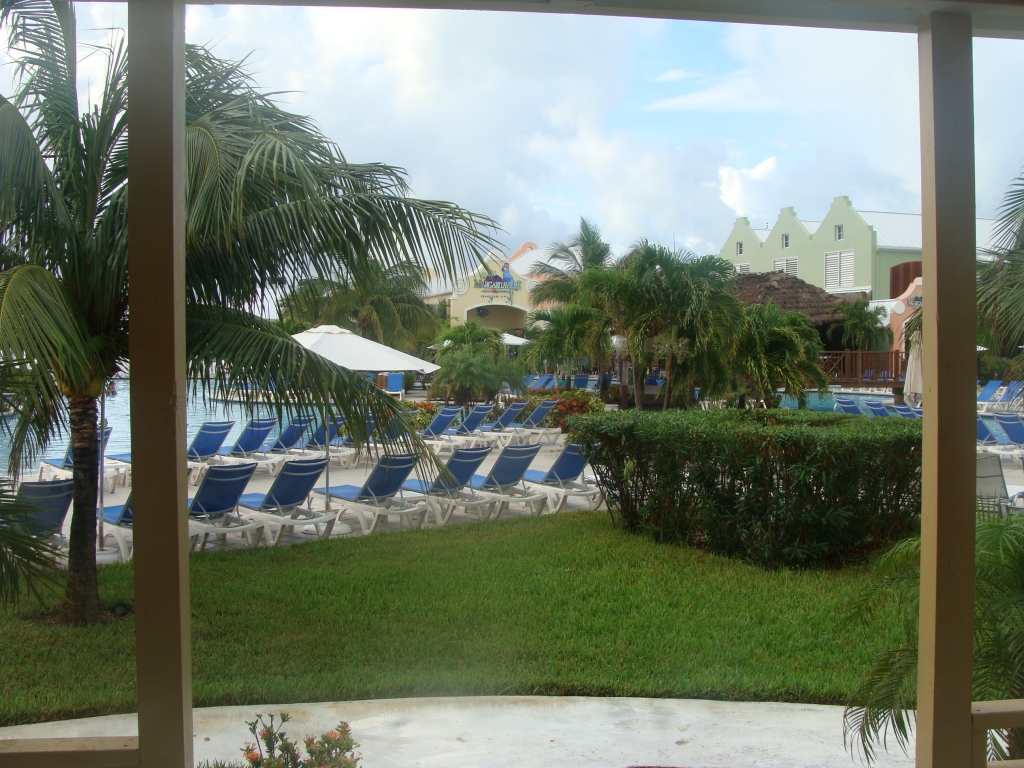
x=425 y=412
x=570 y=403
x=273 y=748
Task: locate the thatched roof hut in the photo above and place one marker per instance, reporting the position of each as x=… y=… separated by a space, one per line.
x=790 y=294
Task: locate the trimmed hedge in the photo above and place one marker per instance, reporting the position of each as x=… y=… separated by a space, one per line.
x=778 y=487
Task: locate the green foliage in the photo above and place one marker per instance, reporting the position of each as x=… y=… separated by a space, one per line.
x=566 y=261
x=777 y=487
x=554 y=605
x=884 y=701
x=26 y=559
x=474 y=365
x=469 y=336
x=566 y=338
x=861 y=327
x=571 y=402
x=273 y=749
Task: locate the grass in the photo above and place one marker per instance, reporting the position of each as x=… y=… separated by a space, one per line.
x=562 y=604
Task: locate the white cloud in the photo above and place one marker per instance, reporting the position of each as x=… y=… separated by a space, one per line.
x=733 y=186
x=674 y=75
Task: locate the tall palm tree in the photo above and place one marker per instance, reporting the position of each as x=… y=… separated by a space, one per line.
x=383 y=303
x=565 y=336
x=270 y=200
x=474 y=363
x=566 y=261
x=778 y=349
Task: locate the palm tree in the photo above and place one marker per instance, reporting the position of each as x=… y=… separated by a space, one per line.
x=565 y=336
x=777 y=349
x=861 y=326
x=270 y=200
x=566 y=261
x=474 y=363
x=383 y=303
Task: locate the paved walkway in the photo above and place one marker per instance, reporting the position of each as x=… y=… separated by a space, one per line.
x=533 y=732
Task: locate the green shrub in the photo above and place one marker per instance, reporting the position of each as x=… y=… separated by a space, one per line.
x=570 y=402
x=777 y=487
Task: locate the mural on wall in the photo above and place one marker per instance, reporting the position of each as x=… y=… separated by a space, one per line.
x=498 y=287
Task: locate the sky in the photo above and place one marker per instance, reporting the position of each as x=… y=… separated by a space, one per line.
x=665 y=130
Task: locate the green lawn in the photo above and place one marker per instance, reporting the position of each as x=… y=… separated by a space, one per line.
x=562 y=604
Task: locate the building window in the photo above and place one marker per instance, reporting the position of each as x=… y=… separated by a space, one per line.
x=742 y=269
x=739 y=247
x=839 y=231
x=789 y=266
x=785 y=241
x=838 y=270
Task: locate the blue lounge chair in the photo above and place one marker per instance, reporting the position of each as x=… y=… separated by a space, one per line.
x=447 y=491
x=543 y=382
x=443 y=419
x=565 y=479
x=281 y=507
x=905 y=411
x=377 y=494
x=472 y=422
x=498 y=430
x=580 y=381
x=987 y=393
x=505 y=475
x=555 y=383
x=290 y=436
x=249 y=446
x=877 y=409
x=1010 y=393
x=987 y=438
x=847 y=405
x=214 y=508
x=1013 y=426
x=117 y=524
x=395 y=385
x=531 y=425
x=318 y=440
x=868 y=375
x=528 y=381
x=53 y=500
x=67 y=464
x=209 y=440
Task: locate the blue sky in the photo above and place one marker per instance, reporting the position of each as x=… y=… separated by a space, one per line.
x=659 y=129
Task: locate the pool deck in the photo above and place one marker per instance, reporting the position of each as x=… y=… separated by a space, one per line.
x=532 y=732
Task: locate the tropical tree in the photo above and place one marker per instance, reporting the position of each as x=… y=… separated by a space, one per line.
x=269 y=201
x=474 y=364
x=861 y=327
x=380 y=302
x=566 y=261
x=566 y=336
x=777 y=349
x=885 y=700
x=469 y=336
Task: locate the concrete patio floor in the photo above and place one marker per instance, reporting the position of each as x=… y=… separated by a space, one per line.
x=532 y=732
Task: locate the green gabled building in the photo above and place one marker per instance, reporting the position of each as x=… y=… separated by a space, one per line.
x=847 y=252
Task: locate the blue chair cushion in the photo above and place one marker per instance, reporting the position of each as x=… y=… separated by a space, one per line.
x=252 y=500
x=535 y=475
x=350 y=492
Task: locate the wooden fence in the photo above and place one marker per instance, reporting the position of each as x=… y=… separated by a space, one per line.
x=864 y=368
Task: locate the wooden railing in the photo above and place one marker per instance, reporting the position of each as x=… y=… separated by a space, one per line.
x=863 y=368
x=80 y=752
x=990 y=715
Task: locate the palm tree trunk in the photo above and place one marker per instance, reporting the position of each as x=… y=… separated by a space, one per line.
x=601 y=387
x=638 y=386
x=668 y=383
x=623 y=387
x=82 y=599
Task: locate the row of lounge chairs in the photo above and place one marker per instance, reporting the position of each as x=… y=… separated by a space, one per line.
x=995 y=396
x=220 y=505
x=876 y=408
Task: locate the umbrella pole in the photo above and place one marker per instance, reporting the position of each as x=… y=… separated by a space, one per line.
x=103 y=428
x=327 y=476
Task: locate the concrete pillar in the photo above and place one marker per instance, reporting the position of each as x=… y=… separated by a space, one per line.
x=947 y=524
x=156 y=273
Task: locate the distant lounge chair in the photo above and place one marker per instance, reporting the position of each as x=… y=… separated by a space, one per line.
x=580 y=380
x=498 y=430
x=987 y=394
x=340 y=452
x=990 y=488
x=531 y=425
x=61 y=469
x=505 y=475
x=868 y=375
x=464 y=434
x=214 y=508
x=443 y=419
x=1014 y=428
x=117 y=524
x=53 y=499
x=847 y=405
x=396 y=385
x=290 y=436
x=377 y=495
x=542 y=382
x=987 y=439
x=565 y=479
x=919 y=411
x=249 y=446
x=280 y=508
x=877 y=409
x=905 y=411
x=447 y=492
x=1010 y=393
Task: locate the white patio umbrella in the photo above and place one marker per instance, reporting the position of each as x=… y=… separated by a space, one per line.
x=512 y=341
x=351 y=350
x=914 y=384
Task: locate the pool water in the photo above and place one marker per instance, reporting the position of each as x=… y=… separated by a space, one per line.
x=828 y=403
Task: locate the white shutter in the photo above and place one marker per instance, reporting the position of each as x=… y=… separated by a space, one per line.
x=791 y=267
x=846 y=269
x=779 y=265
x=832 y=271
x=742 y=269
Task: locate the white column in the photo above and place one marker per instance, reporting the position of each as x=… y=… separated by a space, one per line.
x=156 y=272
x=949 y=358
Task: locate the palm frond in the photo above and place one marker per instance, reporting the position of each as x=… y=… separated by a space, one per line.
x=27 y=560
